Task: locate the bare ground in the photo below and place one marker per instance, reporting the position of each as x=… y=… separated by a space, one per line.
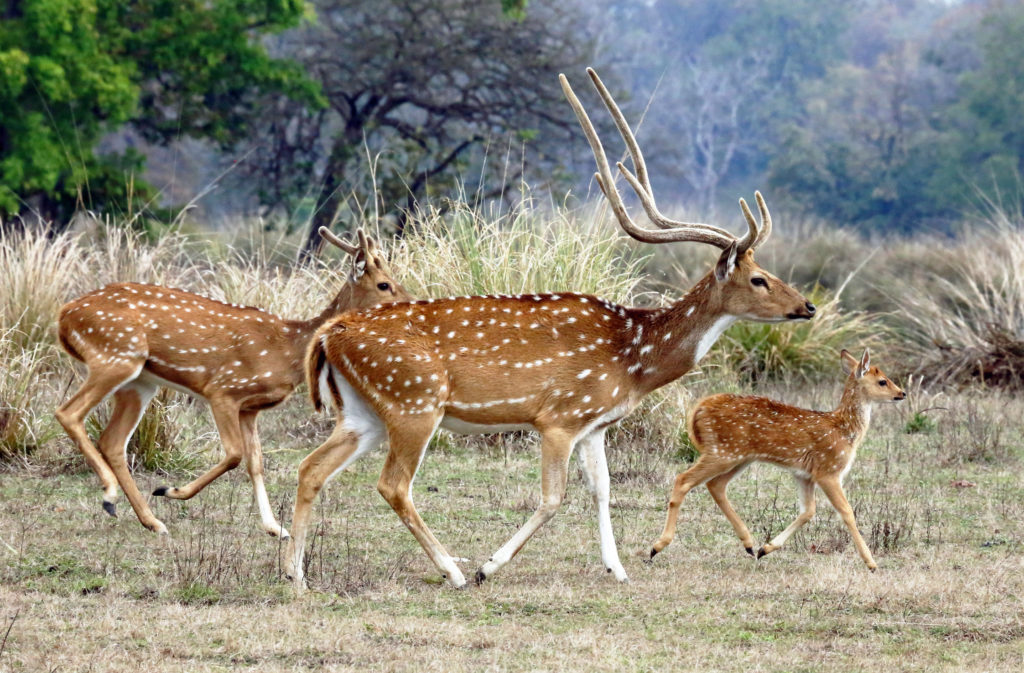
x=942 y=510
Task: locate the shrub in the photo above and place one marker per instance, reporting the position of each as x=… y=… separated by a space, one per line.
x=806 y=351
x=964 y=316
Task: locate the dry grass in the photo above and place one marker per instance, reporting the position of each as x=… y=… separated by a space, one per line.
x=963 y=313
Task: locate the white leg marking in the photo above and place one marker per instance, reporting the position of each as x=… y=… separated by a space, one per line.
x=595 y=470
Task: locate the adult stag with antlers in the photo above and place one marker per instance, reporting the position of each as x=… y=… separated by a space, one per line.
x=566 y=365
x=135 y=338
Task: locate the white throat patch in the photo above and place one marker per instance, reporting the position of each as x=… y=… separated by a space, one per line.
x=709 y=338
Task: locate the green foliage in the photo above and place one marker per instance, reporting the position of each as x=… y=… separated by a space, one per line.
x=919 y=423
x=989 y=128
x=514 y=8
x=72 y=70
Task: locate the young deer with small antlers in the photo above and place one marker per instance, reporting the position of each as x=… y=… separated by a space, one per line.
x=135 y=338
x=566 y=365
x=818 y=447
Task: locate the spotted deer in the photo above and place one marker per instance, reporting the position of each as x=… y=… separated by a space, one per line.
x=566 y=365
x=135 y=338
x=817 y=447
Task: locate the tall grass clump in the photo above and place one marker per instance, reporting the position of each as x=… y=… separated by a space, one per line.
x=24 y=423
x=38 y=272
x=114 y=253
x=964 y=316
x=464 y=251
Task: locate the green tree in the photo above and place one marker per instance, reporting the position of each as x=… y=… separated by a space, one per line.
x=986 y=124
x=917 y=134
x=73 y=70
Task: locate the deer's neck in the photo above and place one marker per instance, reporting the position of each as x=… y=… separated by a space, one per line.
x=297 y=333
x=853 y=414
x=669 y=342
x=302 y=330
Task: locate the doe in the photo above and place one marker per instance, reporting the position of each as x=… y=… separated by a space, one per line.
x=135 y=338
x=818 y=447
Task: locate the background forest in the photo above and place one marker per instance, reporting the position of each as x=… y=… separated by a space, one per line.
x=884 y=115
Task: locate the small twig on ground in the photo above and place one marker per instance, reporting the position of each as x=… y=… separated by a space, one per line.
x=3 y=643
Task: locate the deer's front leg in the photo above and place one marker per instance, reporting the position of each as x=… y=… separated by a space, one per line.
x=834 y=490
x=806 y=491
x=556 y=447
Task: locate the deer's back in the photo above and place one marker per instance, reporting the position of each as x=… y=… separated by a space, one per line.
x=727 y=423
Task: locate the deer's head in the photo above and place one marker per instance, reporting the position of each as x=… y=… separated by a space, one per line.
x=871 y=382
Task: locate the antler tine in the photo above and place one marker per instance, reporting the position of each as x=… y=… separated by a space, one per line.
x=756 y=234
x=698 y=234
x=749 y=239
x=604 y=172
x=766 y=220
x=625 y=131
x=332 y=238
x=641 y=179
x=672 y=231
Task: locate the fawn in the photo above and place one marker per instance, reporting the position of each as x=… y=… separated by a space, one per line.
x=818 y=447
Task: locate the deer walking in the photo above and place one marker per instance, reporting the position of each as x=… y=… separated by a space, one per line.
x=135 y=338
x=817 y=447
x=565 y=365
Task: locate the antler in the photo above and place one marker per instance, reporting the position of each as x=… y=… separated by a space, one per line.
x=365 y=252
x=671 y=230
x=331 y=237
x=765 y=230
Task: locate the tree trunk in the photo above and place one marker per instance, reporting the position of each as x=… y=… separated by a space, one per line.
x=327 y=202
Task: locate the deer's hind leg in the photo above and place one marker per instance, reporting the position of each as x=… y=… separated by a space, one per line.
x=117 y=378
x=408 y=444
x=705 y=469
x=130 y=403
x=357 y=431
x=717 y=487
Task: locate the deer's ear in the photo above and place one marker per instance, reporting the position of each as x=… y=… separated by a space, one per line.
x=850 y=363
x=864 y=365
x=726 y=262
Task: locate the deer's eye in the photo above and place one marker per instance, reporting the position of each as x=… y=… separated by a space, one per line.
x=883 y=383
x=757 y=281
x=383 y=287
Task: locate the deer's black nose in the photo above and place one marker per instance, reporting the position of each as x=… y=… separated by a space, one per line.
x=810 y=308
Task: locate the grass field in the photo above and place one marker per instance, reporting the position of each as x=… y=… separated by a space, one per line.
x=942 y=510
x=937 y=487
